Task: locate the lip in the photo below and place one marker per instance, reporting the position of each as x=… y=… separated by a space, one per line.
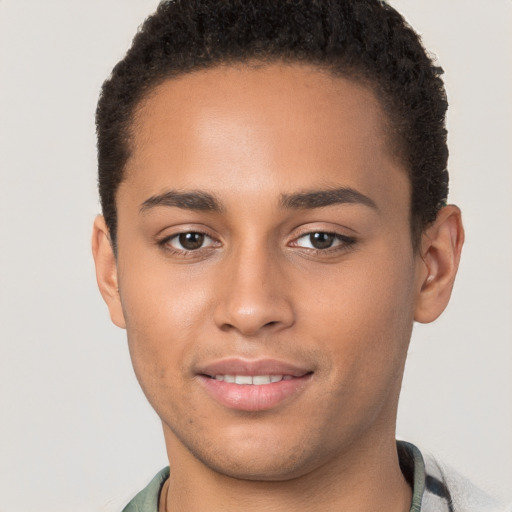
x=252 y=397
x=239 y=366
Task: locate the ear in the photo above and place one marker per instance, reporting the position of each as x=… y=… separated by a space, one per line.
x=441 y=245
x=106 y=270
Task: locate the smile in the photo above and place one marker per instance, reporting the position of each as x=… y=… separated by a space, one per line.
x=261 y=385
x=256 y=380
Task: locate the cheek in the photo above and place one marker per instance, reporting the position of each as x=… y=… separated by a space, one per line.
x=164 y=312
x=158 y=297
x=362 y=314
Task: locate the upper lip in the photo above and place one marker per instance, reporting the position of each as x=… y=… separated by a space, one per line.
x=239 y=366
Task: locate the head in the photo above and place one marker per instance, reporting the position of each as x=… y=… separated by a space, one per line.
x=272 y=176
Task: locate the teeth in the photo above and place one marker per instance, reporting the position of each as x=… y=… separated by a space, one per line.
x=257 y=380
x=243 y=379
x=261 y=379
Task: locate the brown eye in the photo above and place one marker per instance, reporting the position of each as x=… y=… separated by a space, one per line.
x=321 y=240
x=191 y=241
x=188 y=241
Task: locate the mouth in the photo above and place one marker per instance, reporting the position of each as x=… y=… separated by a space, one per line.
x=251 y=380
x=253 y=385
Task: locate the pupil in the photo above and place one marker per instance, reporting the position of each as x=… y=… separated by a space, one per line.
x=321 y=240
x=191 y=241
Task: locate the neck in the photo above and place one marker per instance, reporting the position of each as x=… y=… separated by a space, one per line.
x=363 y=479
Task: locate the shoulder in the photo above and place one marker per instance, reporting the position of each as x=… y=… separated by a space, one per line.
x=438 y=488
x=461 y=494
x=147 y=499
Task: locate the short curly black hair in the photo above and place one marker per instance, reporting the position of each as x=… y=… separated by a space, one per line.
x=362 y=39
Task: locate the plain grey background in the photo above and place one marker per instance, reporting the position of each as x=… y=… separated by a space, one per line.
x=75 y=430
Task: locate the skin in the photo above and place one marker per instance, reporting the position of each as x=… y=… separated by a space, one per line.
x=257 y=288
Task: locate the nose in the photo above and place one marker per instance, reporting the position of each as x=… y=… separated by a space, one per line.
x=253 y=298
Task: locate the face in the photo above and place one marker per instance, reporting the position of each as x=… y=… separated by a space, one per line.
x=265 y=268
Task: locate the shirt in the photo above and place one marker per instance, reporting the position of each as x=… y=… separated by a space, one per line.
x=435 y=488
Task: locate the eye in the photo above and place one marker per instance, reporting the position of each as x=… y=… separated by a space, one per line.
x=189 y=241
x=320 y=240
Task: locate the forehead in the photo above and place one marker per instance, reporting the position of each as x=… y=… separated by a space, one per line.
x=290 y=125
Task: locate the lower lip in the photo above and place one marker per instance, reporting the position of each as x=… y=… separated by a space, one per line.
x=249 y=397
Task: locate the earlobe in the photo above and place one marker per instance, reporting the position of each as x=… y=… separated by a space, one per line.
x=106 y=270
x=440 y=255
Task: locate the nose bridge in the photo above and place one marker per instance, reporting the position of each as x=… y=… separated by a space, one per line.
x=253 y=296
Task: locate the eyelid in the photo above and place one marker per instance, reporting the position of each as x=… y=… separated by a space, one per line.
x=334 y=224
x=176 y=236
x=314 y=227
x=343 y=243
x=164 y=241
x=337 y=238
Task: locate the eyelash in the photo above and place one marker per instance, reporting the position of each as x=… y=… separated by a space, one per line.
x=345 y=243
x=165 y=243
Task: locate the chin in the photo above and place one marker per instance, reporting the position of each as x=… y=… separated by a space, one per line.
x=255 y=456
x=269 y=467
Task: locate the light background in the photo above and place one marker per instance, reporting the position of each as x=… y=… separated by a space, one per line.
x=75 y=430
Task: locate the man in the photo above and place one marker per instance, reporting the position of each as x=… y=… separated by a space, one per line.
x=273 y=183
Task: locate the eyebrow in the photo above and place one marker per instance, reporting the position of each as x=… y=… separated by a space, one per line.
x=203 y=201
x=193 y=200
x=321 y=198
